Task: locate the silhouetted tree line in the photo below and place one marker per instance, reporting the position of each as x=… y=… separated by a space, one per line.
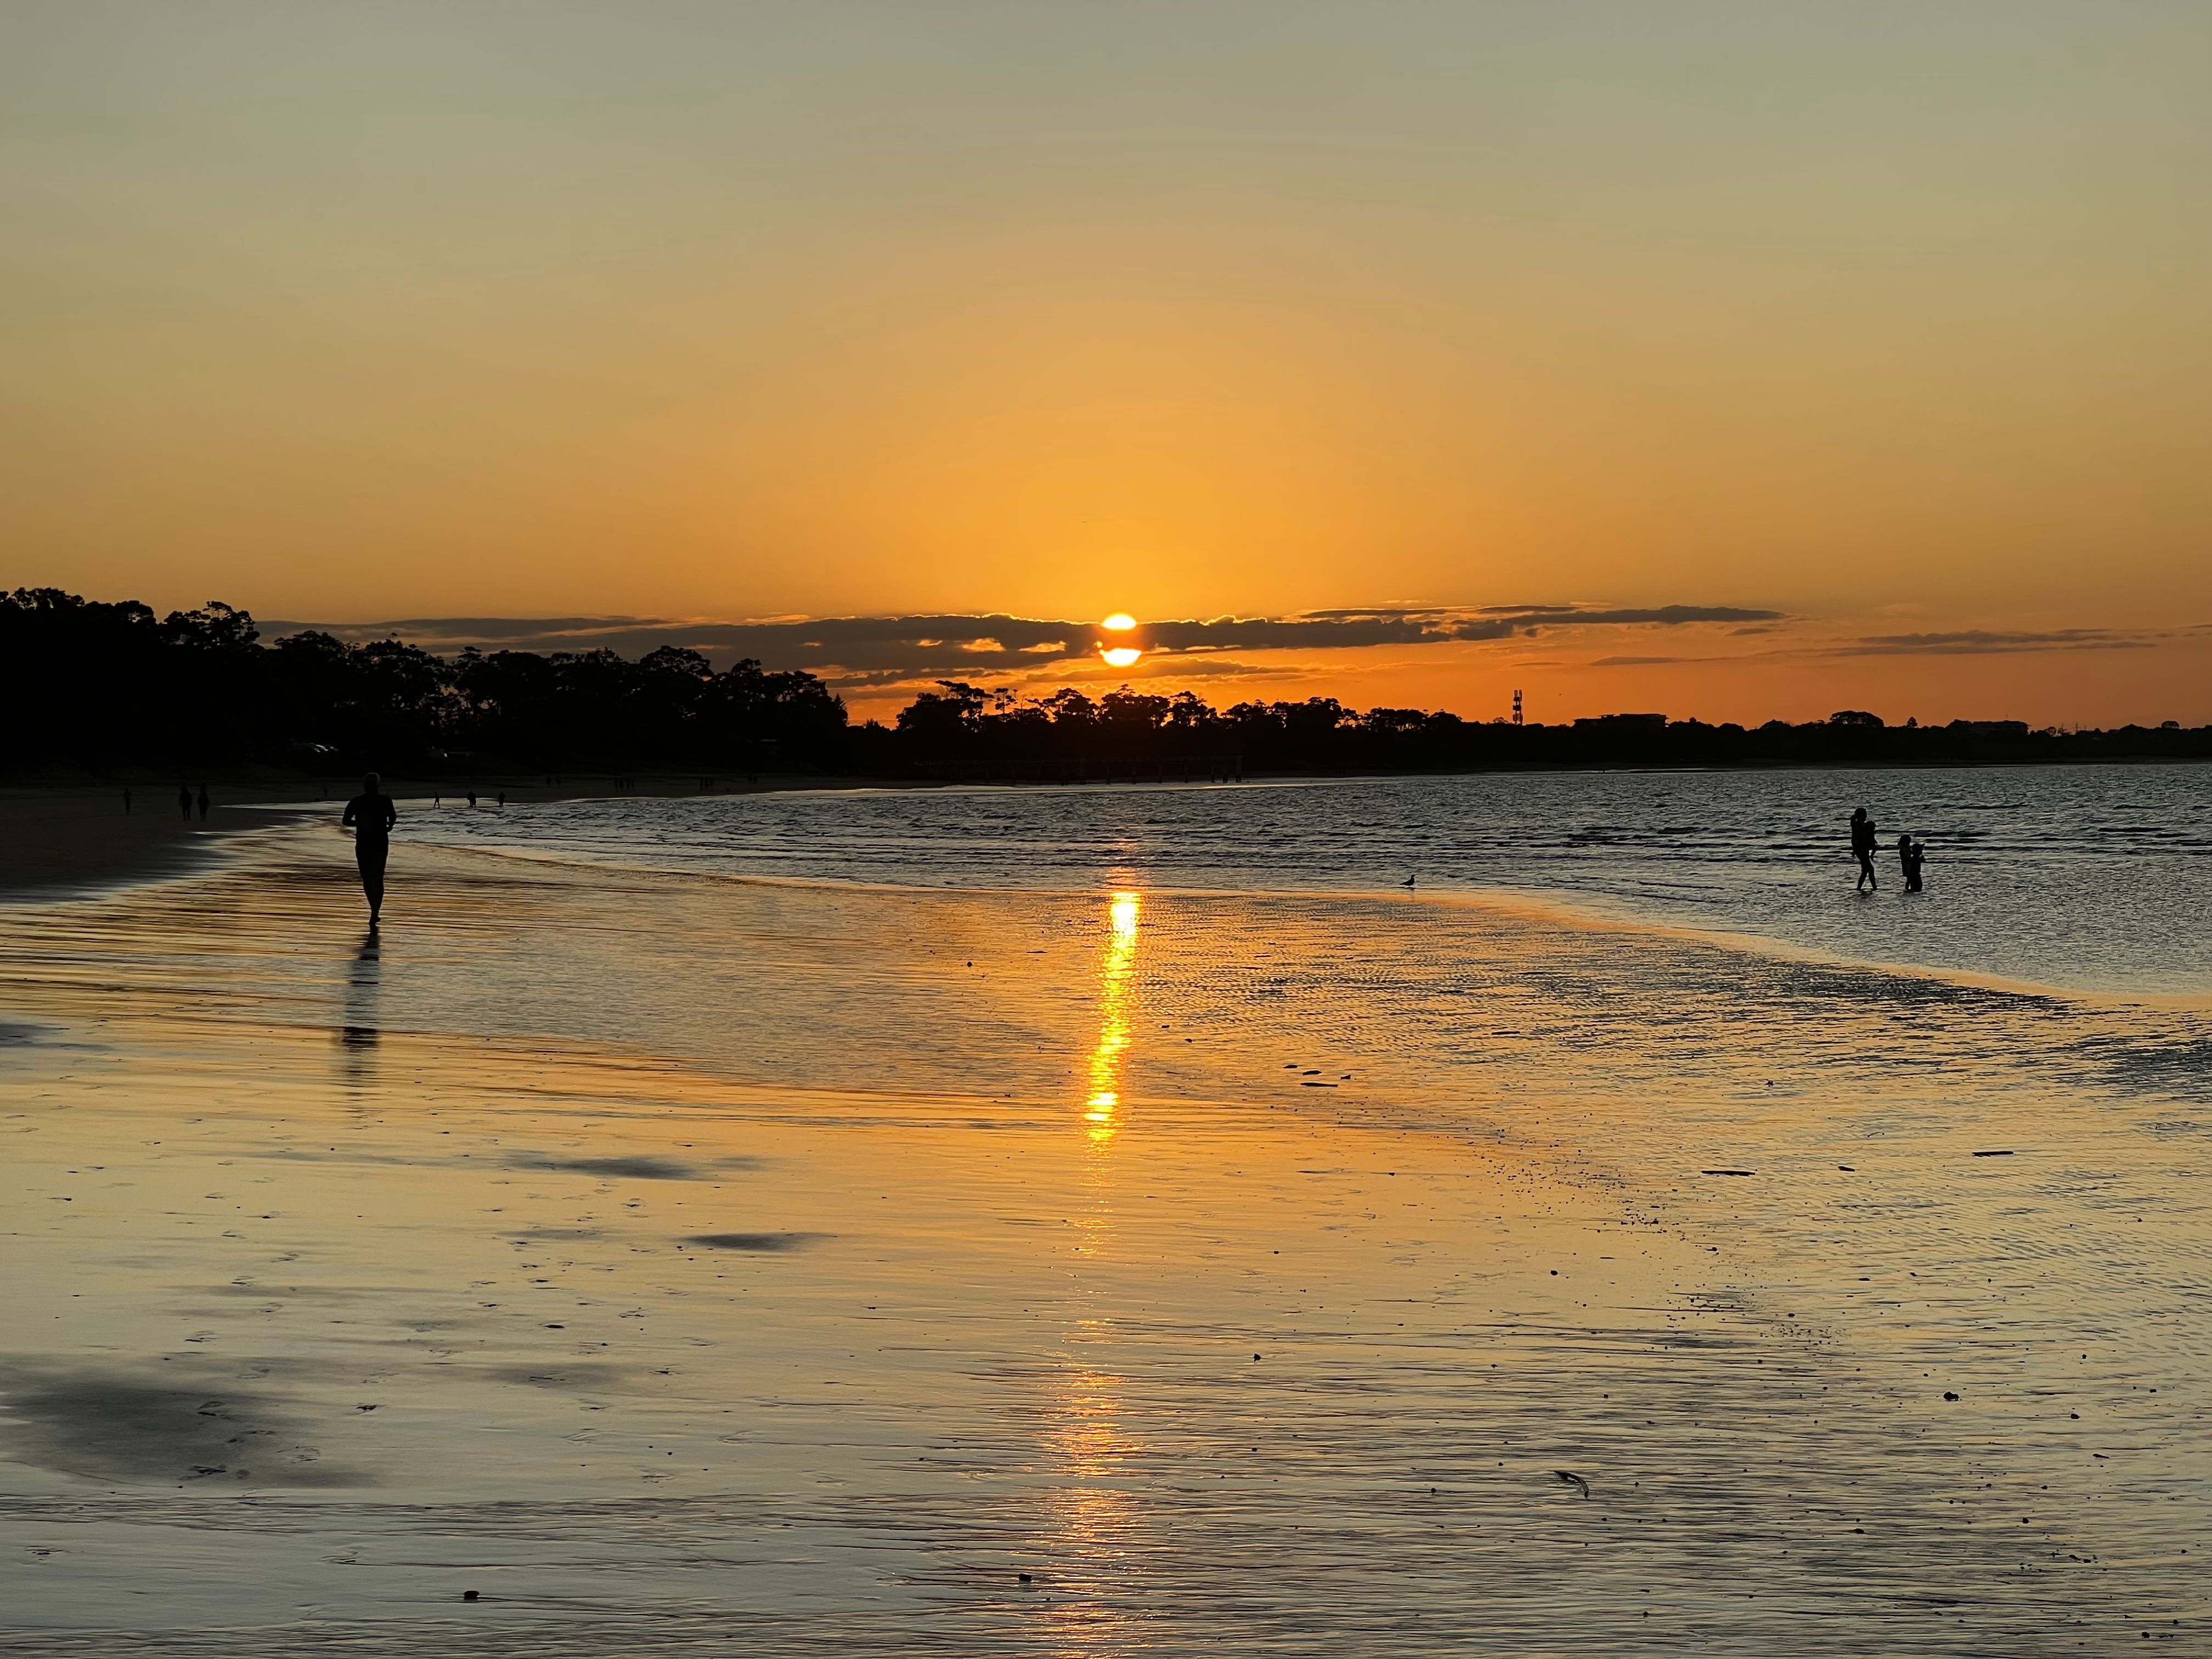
x=962 y=730
x=91 y=685
x=94 y=684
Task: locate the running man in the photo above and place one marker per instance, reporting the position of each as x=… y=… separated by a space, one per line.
x=371 y=814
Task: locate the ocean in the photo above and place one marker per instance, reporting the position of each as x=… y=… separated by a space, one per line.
x=2086 y=878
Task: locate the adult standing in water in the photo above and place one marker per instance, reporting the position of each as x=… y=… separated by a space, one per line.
x=371 y=814
x=1863 y=849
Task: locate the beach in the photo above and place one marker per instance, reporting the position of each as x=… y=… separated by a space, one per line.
x=57 y=842
x=611 y=1259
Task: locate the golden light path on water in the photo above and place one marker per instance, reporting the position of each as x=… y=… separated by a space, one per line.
x=1101 y=1112
x=1093 y=1517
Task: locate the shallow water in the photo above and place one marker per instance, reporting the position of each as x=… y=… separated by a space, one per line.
x=793 y=1266
x=2072 y=877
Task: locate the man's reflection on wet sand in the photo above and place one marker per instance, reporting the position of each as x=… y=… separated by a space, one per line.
x=360 y=1032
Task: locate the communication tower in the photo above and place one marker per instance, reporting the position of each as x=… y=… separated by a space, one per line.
x=1516 y=709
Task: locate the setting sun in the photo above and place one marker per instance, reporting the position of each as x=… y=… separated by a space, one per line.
x=1120 y=656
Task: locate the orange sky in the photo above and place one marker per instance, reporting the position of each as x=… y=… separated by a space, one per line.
x=2101 y=688
x=1887 y=318
x=1801 y=672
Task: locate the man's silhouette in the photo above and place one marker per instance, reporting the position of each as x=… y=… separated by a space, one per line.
x=203 y=803
x=1862 y=848
x=184 y=801
x=372 y=815
x=1910 y=854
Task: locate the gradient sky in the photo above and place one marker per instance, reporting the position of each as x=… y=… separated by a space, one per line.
x=1891 y=319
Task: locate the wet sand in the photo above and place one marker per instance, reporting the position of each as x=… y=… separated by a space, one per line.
x=66 y=841
x=57 y=842
x=690 y=1265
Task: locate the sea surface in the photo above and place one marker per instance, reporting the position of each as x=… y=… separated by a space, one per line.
x=2076 y=878
x=1124 y=1221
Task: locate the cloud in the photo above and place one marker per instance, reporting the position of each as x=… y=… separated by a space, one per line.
x=1962 y=642
x=1669 y=616
x=873 y=652
x=1980 y=641
x=1477 y=623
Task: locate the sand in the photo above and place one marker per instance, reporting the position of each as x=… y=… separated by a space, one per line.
x=713 y=1266
x=58 y=841
x=63 y=841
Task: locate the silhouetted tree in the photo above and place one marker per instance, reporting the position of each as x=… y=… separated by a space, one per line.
x=93 y=684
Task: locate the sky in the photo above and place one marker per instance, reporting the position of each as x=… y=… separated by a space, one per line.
x=1728 y=360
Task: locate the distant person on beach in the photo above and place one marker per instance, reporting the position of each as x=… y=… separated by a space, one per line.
x=127 y=801
x=371 y=815
x=1863 y=849
x=185 y=801
x=203 y=803
x=1909 y=855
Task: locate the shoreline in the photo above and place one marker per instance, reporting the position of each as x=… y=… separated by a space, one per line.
x=73 y=843
x=62 y=841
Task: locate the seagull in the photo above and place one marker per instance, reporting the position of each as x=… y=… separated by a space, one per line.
x=1408 y=881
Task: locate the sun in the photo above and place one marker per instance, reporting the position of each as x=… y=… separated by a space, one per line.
x=1120 y=656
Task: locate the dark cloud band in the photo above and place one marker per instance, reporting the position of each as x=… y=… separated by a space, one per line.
x=861 y=651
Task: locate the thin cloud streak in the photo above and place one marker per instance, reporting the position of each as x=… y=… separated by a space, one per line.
x=1963 y=642
x=1979 y=642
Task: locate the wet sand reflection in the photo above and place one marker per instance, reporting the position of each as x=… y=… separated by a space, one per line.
x=1093 y=1519
x=361 y=1028
x=1103 y=1111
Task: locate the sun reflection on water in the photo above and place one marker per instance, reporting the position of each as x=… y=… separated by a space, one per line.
x=1103 y=1111
x=1094 y=1518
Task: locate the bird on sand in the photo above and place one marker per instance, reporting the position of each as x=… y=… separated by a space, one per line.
x=1408 y=881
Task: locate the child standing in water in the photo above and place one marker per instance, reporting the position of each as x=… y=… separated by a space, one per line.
x=1909 y=855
